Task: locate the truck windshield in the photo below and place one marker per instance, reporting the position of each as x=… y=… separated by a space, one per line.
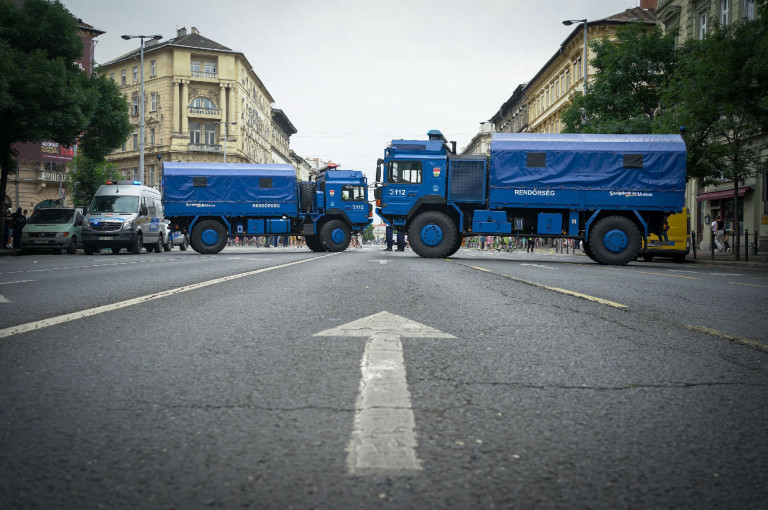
x=405 y=172
x=119 y=204
x=49 y=216
x=353 y=193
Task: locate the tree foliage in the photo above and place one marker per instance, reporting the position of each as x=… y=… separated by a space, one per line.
x=44 y=95
x=85 y=177
x=632 y=72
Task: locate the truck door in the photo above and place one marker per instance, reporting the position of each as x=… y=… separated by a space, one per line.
x=355 y=203
x=405 y=180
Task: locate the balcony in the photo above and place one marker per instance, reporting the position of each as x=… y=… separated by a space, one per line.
x=206 y=113
x=197 y=147
x=205 y=74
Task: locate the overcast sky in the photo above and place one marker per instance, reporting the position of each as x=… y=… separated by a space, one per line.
x=351 y=75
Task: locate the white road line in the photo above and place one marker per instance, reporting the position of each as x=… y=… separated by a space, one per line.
x=383 y=438
x=32 y=326
x=17 y=281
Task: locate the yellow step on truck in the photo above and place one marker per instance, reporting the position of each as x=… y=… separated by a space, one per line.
x=674 y=242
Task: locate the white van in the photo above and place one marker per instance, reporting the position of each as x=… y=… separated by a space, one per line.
x=125 y=214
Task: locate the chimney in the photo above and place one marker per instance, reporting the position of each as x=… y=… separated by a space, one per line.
x=648 y=4
x=181 y=32
x=195 y=31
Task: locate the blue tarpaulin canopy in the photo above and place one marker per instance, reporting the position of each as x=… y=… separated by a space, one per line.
x=588 y=162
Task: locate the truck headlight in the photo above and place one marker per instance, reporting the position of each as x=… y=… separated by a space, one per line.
x=128 y=225
x=86 y=225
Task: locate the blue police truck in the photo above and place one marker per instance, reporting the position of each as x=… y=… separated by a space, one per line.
x=609 y=191
x=212 y=202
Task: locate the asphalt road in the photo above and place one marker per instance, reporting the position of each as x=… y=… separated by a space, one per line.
x=178 y=380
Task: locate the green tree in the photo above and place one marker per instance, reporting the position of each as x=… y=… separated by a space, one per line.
x=368 y=233
x=631 y=74
x=719 y=93
x=44 y=95
x=85 y=177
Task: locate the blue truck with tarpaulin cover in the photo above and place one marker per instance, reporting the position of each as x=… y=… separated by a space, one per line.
x=609 y=191
x=213 y=202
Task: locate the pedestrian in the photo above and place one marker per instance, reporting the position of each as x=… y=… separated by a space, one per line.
x=390 y=241
x=529 y=248
x=400 y=241
x=18 y=221
x=7 y=227
x=717 y=231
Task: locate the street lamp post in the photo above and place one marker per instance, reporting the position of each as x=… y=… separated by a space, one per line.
x=225 y=136
x=141 y=98
x=570 y=22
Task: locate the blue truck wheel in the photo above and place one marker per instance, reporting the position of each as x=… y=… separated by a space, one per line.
x=433 y=234
x=208 y=236
x=615 y=240
x=335 y=235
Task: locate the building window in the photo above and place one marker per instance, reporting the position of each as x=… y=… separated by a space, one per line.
x=202 y=134
x=151 y=136
x=203 y=69
x=135 y=174
x=112 y=76
x=135 y=141
x=135 y=74
x=124 y=146
x=153 y=101
x=135 y=106
x=725 y=8
x=151 y=175
x=702 y=29
x=749 y=9
x=122 y=77
x=153 y=68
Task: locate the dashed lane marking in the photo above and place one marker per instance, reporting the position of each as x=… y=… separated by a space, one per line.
x=556 y=289
x=733 y=338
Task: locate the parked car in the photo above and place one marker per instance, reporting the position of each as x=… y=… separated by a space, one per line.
x=53 y=228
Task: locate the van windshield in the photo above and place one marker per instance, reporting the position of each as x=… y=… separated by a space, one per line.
x=50 y=216
x=118 y=204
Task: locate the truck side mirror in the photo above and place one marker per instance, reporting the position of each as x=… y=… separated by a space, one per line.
x=378 y=169
x=144 y=211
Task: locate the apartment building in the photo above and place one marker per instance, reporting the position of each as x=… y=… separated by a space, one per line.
x=692 y=19
x=203 y=102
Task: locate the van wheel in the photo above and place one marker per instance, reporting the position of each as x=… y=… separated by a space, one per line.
x=184 y=243
x=72 y=248
x=159 y=244
x=208 y=237
x=169 y=245
x=138 y=242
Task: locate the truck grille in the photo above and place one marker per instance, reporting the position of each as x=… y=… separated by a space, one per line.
x=106 y=226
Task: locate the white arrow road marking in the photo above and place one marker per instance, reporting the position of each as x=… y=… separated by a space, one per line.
x=539 y=265
x=380 y=261
x=3 y=299
x=384 y=434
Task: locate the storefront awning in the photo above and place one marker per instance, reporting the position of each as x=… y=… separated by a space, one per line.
x=720 y=195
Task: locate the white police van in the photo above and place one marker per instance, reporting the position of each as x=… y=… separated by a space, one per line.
x=125 y=214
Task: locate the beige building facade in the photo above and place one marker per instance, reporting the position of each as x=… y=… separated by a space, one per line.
x=692 y=19
x=203 y=103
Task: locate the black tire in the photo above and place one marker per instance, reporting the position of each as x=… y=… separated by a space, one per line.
x=72 y=248
x=587 y=251
x=433 y=234
x=158 y=246
x=208 y=237
x=615 y=240
x=315 y=244
x=115 y=250
x=138 y=242
x=169 y=245
x=455 y=247
x=335 y=235
x=307 y=196
x=184 y=243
